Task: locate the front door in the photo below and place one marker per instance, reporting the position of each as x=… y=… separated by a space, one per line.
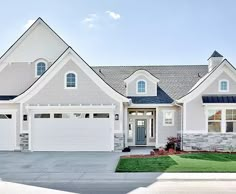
x=141 y=131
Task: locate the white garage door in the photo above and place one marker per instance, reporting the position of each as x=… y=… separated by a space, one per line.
x=71 y=132
x=7 y=131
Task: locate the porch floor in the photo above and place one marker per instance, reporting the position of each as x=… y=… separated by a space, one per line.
x=141 y=150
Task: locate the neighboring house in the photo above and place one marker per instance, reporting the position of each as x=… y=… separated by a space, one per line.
x=52 y=100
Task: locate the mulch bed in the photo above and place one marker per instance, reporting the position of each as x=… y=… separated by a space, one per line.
x=156 y=154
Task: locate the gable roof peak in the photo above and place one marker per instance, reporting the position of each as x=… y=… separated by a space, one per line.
x=144 y=72
x=215 y=54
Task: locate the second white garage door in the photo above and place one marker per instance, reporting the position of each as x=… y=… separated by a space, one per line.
x=7 y=131
x=71 y=132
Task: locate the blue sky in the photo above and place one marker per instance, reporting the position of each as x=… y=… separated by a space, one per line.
x=131 y=32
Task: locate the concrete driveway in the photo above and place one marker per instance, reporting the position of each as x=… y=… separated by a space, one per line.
x=44 y=163
x=80 y=172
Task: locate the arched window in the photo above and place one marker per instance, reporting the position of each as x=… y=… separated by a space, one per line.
x=40 y=68
x=223 y=85
x=70 y=80
x=141 y=86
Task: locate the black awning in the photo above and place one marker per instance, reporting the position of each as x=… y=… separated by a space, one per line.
x=219 y=99
x=7 y=97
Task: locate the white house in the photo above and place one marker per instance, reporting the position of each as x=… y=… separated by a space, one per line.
x=52 y=100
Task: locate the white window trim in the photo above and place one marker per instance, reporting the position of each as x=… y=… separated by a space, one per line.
x=65 y=81
x=223 y=80
x=173 y=118
x=36 y=65
x=223 y=119
x=137 y=92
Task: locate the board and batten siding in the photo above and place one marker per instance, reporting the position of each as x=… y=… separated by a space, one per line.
x=195 y=112
x=151 y=87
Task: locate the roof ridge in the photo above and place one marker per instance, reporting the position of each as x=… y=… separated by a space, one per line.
x=148 y=65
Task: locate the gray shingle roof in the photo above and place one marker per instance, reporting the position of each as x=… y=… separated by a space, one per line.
x=161 y=98
x=175 y=80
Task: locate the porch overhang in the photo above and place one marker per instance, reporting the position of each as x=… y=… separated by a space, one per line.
x=219 y=100
x=149 y=105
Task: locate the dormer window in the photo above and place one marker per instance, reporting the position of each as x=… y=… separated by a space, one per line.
x=141 y=83
x=223 y=86
x=40 y=68
x=141 y=87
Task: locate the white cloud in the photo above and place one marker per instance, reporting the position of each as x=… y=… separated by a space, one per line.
x=90 y=20
x=28 y=24
x=91 y=25
x=113 y=15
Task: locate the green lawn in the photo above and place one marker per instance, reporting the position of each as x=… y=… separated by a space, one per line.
x=196 y=162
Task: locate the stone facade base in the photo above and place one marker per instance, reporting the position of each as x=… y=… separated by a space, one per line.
x=209 y=142
x=118 y=141
x=24 y=141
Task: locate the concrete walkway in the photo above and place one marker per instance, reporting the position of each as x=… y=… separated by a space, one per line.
x=197 y=177
x=187 y=187
x=181 y=183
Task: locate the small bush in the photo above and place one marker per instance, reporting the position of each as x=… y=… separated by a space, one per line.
x=173 y=143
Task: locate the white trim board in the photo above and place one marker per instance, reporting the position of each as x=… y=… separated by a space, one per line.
x=72 y=108
x=220 y=105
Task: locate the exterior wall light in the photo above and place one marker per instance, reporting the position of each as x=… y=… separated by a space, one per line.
x=116 y=117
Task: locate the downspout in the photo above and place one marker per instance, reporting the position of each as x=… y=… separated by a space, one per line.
x=181 y=127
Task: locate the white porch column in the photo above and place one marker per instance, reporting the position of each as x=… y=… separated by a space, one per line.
x=29 y=129
x=157 y=113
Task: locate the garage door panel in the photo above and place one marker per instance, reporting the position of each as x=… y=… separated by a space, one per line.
x=7 y=133
x=71 y=134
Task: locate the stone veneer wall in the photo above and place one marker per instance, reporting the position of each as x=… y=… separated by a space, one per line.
x=209 y=142
x=118 y=141
x=24 y=141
